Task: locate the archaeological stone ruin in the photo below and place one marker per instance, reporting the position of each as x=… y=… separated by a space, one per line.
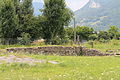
x=59 y=50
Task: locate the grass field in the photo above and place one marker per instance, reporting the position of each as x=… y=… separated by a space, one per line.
x=69 y=68
x=113 y=45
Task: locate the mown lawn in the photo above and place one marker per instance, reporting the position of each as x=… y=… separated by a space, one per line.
x=69 y=68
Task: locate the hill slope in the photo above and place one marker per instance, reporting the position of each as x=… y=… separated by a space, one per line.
x=99 y=14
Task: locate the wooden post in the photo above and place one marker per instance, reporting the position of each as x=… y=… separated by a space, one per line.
x=92 y=44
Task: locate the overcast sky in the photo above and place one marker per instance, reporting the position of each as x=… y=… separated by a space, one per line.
x=73 y=4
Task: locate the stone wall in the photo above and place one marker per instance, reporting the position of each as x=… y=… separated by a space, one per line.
x=59 y=50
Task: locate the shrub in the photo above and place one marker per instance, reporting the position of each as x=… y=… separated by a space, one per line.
x=25 y=39
x=93 y=37
x=103 y=40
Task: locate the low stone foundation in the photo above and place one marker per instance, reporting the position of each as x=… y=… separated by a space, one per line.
x=59 y=50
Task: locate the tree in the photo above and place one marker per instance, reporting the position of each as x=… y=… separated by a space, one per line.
x=17 y=6
x=103 y=35
x=25 y=15
x=36 y=28
x=28 y=23
x=69 y=32
x=56 y=17
x=16 y=18
x=84 y=32
x=113 y=31
x=93 y=37
x=118 y=35
x=8 y=22
x=25 y=39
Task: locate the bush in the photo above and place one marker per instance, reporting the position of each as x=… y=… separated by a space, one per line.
x=103 y=35
x=93 y=37
x=103 y=40
x=25 y=39
x=59 y=41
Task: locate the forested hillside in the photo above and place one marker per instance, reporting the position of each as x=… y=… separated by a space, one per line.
x=99 y=14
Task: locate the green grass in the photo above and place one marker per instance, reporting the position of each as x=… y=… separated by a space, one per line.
x=111 y=45
x=70 y=68
x=16 y=46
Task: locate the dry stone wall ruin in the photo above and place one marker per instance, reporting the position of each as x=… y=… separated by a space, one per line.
x=59 y=50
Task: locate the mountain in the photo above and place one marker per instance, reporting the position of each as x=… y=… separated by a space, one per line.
x=37 y=6
x=99 y=14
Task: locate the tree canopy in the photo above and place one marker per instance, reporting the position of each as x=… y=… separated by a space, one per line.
x=57 y=16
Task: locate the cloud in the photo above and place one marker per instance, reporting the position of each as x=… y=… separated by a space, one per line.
x=76 y=4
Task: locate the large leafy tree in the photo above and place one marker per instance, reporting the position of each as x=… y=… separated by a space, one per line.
x=25 y=15
x=70 y=32
x=56 y=16
x=28 y=23
x=84 y=32
x=113 y=31
x=16 y=16
x=8 y=22
x=103 y=35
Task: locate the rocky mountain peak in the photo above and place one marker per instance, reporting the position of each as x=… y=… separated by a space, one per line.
x=94 y=4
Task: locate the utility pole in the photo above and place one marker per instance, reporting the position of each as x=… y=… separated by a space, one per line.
x=74 y=31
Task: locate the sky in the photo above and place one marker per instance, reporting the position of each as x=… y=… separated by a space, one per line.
x=73 y=4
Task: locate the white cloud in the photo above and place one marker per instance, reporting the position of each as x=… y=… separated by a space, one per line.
x=76 y=4
x=73 y=4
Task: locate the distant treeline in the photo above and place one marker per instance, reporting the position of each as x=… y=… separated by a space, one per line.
x=18 y=25
x=88 y=33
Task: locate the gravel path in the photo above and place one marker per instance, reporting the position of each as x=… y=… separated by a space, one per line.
x=28 y=60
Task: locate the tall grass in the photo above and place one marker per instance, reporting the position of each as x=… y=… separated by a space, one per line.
x=110 y=45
